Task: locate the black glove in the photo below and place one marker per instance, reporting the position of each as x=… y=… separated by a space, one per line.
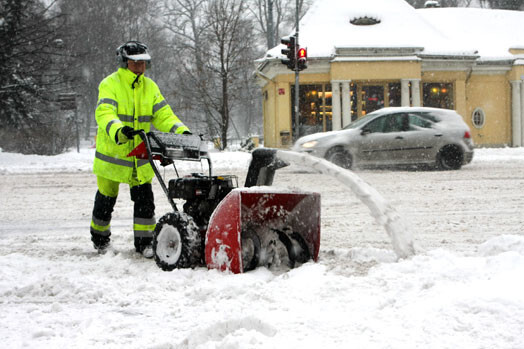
x=127 y=131
x=186 y=133
x=124 y=134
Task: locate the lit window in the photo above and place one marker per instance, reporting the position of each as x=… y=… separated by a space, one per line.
x=437 y=95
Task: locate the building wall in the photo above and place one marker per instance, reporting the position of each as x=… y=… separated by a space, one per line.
x=379 y=70
x=490 y=91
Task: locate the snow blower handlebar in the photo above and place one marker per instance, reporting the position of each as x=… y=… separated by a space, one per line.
x=167 y=147
x=149 y=154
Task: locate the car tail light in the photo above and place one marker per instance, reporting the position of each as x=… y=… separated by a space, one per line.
x=467 y=135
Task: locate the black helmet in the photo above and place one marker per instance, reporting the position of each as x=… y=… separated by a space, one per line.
x=132 y=50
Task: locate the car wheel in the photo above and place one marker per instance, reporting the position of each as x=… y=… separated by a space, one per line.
x=450 y=158
x=339 y=157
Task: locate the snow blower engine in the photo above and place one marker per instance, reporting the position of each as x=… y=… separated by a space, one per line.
x=223 y=226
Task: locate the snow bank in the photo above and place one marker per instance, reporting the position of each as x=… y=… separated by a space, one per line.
x=438 y=299
x=56 y=292
x=73 y=161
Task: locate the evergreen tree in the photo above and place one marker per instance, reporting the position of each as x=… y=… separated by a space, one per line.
x=31 y=79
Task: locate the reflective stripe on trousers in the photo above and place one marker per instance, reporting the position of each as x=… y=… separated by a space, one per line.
x=144 y=227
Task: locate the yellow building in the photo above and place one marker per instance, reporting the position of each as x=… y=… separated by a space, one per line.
x=367 y=54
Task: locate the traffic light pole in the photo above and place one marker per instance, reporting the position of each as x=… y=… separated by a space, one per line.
x=296 y=60
x=297 y=109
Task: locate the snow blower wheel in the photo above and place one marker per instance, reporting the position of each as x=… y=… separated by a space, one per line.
x=177 y=242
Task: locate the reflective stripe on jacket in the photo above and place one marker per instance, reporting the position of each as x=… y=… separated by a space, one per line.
x=119 y=104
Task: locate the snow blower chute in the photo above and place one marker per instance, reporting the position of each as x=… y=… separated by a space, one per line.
x=225 y=227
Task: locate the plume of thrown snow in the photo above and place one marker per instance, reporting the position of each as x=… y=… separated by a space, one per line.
x=381 y=210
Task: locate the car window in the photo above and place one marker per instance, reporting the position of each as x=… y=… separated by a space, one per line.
x=429 y=117
x=389 y=123
x=416 y=120
x=359 y=122
x=376 y=125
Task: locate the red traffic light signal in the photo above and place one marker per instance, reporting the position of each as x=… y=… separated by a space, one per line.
x=302 y=58
x=302 y=53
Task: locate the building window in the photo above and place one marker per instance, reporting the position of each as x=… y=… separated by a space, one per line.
x=394 y=94
x=316 y=103
x=372 y=98
x=478 y=118
x=353 y=94
x=315 y=109
x=366 y=97
x=438 y=95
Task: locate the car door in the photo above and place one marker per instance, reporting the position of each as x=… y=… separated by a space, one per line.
x=420 y=140
x=382 y=139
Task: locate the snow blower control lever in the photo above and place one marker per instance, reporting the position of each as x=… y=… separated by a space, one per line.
x=222 y=226
x=166 y=148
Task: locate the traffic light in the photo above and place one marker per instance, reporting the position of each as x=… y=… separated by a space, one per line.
x=302 y=58
x=290 y=51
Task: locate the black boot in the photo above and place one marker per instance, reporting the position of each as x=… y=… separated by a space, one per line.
x=144 y=246
x=102 y=216
x=144 y=207
x=100 y=243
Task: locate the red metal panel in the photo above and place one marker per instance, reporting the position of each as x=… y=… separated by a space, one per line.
x=223 y=250
x=140 y=151
x=259 y=211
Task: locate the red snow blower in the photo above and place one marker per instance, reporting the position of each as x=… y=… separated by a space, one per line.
x=225 y=227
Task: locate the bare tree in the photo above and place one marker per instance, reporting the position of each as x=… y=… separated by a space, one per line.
x=504 y=4
x=95 y=29
x=214 y=42
x=229 y=39
x=274 y=17
x=443 y=3
x=187 y=22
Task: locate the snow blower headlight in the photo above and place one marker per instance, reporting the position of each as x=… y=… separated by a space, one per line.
x=310 y=144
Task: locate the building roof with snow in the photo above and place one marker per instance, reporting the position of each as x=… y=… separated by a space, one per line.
x=331 y=26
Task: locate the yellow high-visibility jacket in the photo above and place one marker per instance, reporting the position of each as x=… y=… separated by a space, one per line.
x=122 y=104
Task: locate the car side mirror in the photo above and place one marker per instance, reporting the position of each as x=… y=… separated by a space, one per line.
x=365 y=131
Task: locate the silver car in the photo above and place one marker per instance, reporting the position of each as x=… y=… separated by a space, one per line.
x=396 y=136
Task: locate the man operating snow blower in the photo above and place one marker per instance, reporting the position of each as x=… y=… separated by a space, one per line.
x=128 y=101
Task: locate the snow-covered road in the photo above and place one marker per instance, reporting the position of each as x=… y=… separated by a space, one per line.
x=464 y=288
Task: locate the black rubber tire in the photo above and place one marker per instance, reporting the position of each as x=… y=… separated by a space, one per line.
x=247 y=236
x=339 y=157
x=177 y=242
x=450 y=157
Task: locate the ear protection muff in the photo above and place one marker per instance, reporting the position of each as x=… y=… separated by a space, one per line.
x=130 y=50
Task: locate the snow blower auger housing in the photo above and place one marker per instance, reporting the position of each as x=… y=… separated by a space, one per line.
x=223 y=226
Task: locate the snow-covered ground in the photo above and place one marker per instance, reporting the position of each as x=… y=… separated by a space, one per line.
x=463 y=289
